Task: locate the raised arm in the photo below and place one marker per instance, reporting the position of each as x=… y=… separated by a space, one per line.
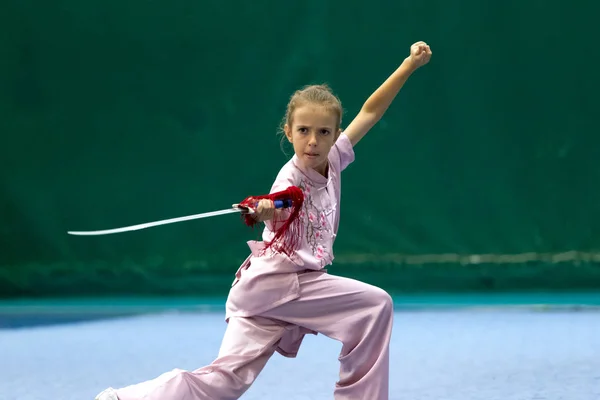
x=377 y=104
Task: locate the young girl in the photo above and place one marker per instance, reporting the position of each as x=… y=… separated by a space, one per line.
x=280 y=295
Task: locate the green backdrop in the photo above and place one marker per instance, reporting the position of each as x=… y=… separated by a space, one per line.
x=483 y=175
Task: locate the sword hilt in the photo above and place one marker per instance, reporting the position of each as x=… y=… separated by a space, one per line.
x=285 y=203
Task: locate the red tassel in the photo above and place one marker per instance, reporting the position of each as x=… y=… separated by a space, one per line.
x=287 y=236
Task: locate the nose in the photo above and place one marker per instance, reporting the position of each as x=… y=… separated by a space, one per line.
x=312 y=141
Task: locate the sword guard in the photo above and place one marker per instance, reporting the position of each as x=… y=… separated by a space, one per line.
x=245 y=210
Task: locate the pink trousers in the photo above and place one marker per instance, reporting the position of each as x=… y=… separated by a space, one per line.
x=355 y=313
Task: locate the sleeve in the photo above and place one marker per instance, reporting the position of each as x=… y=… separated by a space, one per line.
x=342 y=152
x=284 y=180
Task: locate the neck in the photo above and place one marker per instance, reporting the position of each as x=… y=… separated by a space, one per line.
x=323 y=170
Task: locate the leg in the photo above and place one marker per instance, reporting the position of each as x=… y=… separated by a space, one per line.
x=247 y=346
x=358 y=315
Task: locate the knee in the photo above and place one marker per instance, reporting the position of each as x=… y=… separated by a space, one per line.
x=385 y=302
x=374 y=318
x=381 y=304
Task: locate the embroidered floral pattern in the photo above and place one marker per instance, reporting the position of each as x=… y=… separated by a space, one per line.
x=316 y=226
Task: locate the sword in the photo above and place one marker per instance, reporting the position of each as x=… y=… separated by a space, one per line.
x=235 y=208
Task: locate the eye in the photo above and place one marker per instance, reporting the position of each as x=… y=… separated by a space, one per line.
x=325 y=132
x=302 y=130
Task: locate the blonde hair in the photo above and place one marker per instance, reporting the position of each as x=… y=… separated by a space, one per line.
x=320 y=95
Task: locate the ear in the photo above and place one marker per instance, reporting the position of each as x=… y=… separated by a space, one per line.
x=288 y=132
x=338 y=133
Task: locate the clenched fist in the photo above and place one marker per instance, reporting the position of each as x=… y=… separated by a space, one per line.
x=264 y=211
x=420 y=54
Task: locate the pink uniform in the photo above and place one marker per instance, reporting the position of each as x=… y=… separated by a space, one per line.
x=275 y=300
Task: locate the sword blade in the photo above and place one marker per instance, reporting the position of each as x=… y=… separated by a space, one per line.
x=157 y=223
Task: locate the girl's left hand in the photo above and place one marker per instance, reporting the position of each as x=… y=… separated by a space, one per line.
x=420 y=54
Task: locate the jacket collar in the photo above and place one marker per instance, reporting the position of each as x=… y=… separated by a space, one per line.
x=316 y=178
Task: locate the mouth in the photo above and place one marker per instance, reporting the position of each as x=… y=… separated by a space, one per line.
x=311 y=155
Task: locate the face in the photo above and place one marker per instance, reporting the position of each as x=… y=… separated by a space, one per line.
x=313 y=133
